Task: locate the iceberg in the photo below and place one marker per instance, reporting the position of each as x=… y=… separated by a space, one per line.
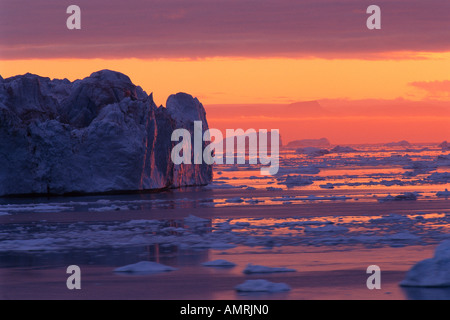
x=101 y=134
x=443 y=194
x=433 y=272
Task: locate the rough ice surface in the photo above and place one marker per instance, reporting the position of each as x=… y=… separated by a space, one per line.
x=99 y=134
x=251 y=268
x=144 y=267
x=220 y=263
x=434 y=272
x=261 y=285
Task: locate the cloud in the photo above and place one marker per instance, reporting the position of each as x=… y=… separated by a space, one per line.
x=433 y=87
x=229 y=28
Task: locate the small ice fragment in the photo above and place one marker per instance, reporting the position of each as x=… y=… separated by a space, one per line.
x=251 y=268
x=193 y=219
x=220 y=263
x=261 y=285
x=235 y=200
x=144 y=267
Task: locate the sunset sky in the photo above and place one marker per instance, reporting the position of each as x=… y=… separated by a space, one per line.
x=253 y=52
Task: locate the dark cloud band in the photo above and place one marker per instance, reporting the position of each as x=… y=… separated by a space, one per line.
x=209 y=28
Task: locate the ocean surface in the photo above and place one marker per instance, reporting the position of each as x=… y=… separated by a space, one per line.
x=327 y=217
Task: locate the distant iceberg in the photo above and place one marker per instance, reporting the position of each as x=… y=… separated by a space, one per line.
x=96 y=135
x=402 y=143
x=317 y=143
x=445 y=146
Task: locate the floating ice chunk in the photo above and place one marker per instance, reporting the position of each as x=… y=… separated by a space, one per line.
x=251 y=268
x=443 y=194
x=261 y=285
x=145 y=267
x=193 y=219
x=242 y=224
x=109 y=208
x=274 y=189
x=407 y=196
x=141 y=222
x=298 y=180
x=235 y=200
x=221 y=263
x=327 y=186
x=432 y=272
x=440 y=177
x=4 y=213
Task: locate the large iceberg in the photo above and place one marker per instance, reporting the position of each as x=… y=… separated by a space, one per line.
x=100 y=134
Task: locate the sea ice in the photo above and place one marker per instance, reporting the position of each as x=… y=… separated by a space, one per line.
x=407 y=196
x=251 y=268
x=340 y=149
x=221 y=263
x=261 y=285
x=443 y=194
x=295 y=181
x=145 y=267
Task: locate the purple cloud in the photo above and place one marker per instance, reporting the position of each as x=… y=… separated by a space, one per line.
x=208 y=28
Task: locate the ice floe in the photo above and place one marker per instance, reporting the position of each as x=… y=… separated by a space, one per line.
x=220 y=263
x=252 y=268
x=144 y=267
x=443 y=194
x=261 y=285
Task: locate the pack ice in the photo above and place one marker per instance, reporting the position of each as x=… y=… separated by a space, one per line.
x=99 y=134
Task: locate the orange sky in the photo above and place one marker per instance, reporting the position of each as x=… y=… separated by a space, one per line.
x=283 y=80
x=251 y=80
